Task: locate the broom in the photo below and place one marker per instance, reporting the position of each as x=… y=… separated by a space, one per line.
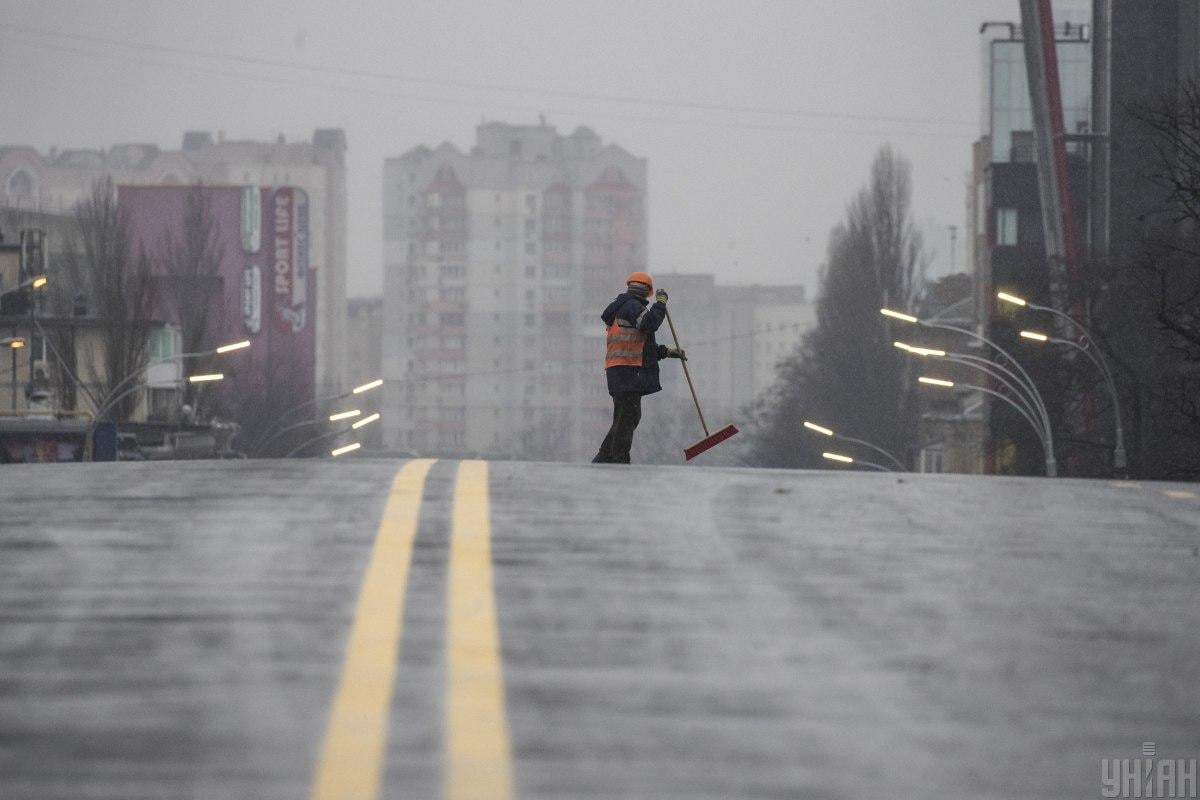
x=710 y=440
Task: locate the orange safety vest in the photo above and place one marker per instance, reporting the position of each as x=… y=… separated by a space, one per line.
x=625 y=344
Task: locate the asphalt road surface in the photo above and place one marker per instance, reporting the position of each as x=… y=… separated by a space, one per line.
x=374 y=629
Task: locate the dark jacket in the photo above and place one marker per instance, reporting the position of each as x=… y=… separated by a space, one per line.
x=647 y=318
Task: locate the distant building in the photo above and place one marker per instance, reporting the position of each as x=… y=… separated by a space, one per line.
x=497 y=262
x=263 y=290
x=1005 y=230
x=735 y=337
x=57 y=181
x=364 y=351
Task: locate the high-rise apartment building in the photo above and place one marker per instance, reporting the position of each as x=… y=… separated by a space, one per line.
x=58 y=180
x=497 y=263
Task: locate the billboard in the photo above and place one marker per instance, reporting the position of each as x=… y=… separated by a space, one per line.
x=266 y=288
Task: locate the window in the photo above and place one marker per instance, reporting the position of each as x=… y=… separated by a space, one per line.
x=1006 y=226
x=164 y=343
x=162 y=404
x=530 y=320
x=530 y=271
x=933 y=459
x=453 y=318
x=20 y=186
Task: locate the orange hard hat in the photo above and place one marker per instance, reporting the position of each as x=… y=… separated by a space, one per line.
x=640 y=277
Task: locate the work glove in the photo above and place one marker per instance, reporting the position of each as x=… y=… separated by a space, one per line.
x=676 y=352
x=660 y=296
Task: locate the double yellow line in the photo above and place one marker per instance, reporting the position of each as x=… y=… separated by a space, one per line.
x=477 y=762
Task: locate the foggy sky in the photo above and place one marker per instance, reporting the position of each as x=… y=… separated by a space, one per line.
x=749 y=196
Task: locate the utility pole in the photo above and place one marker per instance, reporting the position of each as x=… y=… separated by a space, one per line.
x=953 y=242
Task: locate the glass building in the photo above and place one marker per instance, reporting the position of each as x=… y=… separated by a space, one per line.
x=1008 y=107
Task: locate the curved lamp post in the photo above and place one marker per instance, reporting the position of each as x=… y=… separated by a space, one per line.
x=1027 y=380
x=341 y=415
x=1042 y=435
x=106 y=402
x=1094 y=353
x=271 y=434
x=1032 y=406
x=821 y=429
x=841 y=459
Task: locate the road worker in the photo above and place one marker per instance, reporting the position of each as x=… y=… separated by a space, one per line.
x=631 y=363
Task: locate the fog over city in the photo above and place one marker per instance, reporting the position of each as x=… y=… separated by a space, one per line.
x=555 y=399
x=758 y=119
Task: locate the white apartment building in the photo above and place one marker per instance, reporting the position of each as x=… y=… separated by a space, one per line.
x=498 y=262
x=735 y=336
x=57 y=181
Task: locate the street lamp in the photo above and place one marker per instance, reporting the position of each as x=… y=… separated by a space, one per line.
x=841 y=459
x=1097 y=357
x=345 y=415
x=368 y=386
x=12 y=342
x=350 y=448
x=1028 y=383
x=1042 y=435
x=1033 y=406
x=812 y=426
x=106 y=403
x=365 y=421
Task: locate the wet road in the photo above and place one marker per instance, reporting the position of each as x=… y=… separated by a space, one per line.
x=466 y=630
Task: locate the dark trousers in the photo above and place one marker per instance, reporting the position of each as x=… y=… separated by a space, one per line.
x=627 y=413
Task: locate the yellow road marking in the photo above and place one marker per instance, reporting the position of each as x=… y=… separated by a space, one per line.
x=1179 y=494
x=351 y=759
x=477 y=751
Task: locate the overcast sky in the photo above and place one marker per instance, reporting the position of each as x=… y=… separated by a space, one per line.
x=735 y=188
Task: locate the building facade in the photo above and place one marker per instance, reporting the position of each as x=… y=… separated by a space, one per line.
x=262 y=288
x=1006 y=231
x=58 y=180
x=498 y=261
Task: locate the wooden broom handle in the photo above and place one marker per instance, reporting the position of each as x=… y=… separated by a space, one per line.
x=686 y=374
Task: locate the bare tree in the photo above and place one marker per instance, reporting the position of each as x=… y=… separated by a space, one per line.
x=190 y=275
x=119 y=286
x=846 y=371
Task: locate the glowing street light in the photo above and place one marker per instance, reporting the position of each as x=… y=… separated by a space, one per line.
x=1088 y=347
x=919 y=351
x=344 y=415
x=841 y=459
x=39 y=281
x=1012 y=298
x=341 y=451
x=365 y=421
x=366 y=387
x=887 y=312
x=229 y=348
x=821 y=429
x=207 y=378
x=1042 y=434
x=1037 y=337
x=12 y=342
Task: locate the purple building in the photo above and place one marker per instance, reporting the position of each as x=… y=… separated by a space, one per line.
x=262 y=290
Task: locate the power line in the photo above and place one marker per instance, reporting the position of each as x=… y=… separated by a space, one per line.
x=484 y=86
x=361 y=90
